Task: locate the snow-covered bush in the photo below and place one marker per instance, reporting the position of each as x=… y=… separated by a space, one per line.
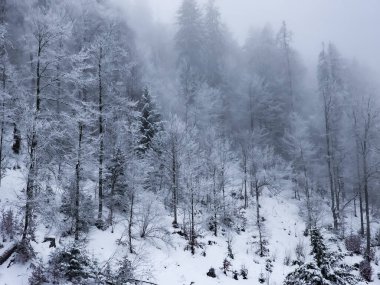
x=287 y=257
x=211 y=272
x=326 y=268
x=300 y=251
x=8 y=225
x=125 y=271
x=353 y=243
x=376 y=239
x=150 y=219
x=262 y=278
x=73 y=263
x=38 y=276
x=244 y=272
x=226 y=266
x=24 y=252
x=229 y=247
x=269 y=265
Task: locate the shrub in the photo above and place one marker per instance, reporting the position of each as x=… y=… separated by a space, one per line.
x=72 y=263
x=244 y=272
x=287 y=257
x=262 y=278
x=377 y=238
x=211 y=272
x=8 y=224
x=365 y=270
x=353 y=243
x=229 y=248
x=300 y=251
x=327 y=267
x=226 y=265
x=24 y=251
x=125 y=271
x=269 y=266
x=38 y=276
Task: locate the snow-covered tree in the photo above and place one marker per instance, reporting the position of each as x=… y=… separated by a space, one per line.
x=326 y=268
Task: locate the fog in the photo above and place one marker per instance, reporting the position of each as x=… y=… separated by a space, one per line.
x=351 y=25
x=200 y=139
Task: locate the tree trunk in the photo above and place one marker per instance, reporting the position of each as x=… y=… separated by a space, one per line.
x=361 y=212
x=101 y=145
x=32 y=155
x=77 y=184
x=112 y=202
x=215 y=204
x=258 y=218
x=192 y=223
x=330 y=167
x=2 y=127
x=7 y=254
x=366 y=198
x=223 y=192
x=359 y=189
x=174 y=182
x=245 y=183
x=130 y=224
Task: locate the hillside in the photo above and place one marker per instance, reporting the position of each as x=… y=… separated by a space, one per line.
x=165 y=260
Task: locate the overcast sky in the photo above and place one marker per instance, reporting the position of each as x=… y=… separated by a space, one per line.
x=353 y=25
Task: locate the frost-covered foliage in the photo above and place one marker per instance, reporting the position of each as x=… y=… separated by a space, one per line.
x=73 y=263
x=326 y=268
x=354 y=243
x=115 y=125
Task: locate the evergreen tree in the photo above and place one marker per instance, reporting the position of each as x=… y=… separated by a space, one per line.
x=215 y=45
x=116 y=183
x=326 y=269
x=149 y=122
x=189 y=43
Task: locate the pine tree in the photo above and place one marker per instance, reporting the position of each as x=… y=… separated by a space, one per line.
x=149 y=122
x=189 y=42
x=116 y=183
x=326 y=269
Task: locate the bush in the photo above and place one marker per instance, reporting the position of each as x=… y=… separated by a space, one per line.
x=226 y=265
x=327 y=267
x=211 y=273
x=72 y=263
x=229 y=248
x=8 y=224
x=377 y=238
x=125 y=271
x=365 y=270
x=300 y=251
x=287 y=257
x=244 y=272
x=353 y=243
x=262 y=278
x=269 y=266
x=38 y=276
x=24 y=251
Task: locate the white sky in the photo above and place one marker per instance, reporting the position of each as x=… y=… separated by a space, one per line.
x=353 y=25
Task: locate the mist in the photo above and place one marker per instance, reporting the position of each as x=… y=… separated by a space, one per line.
x=189 y=142
x=350 y=25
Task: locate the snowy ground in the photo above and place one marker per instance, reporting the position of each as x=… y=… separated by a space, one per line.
x=170 y=264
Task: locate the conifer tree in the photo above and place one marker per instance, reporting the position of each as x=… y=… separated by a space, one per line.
x=327 y=267
x=149 y=122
